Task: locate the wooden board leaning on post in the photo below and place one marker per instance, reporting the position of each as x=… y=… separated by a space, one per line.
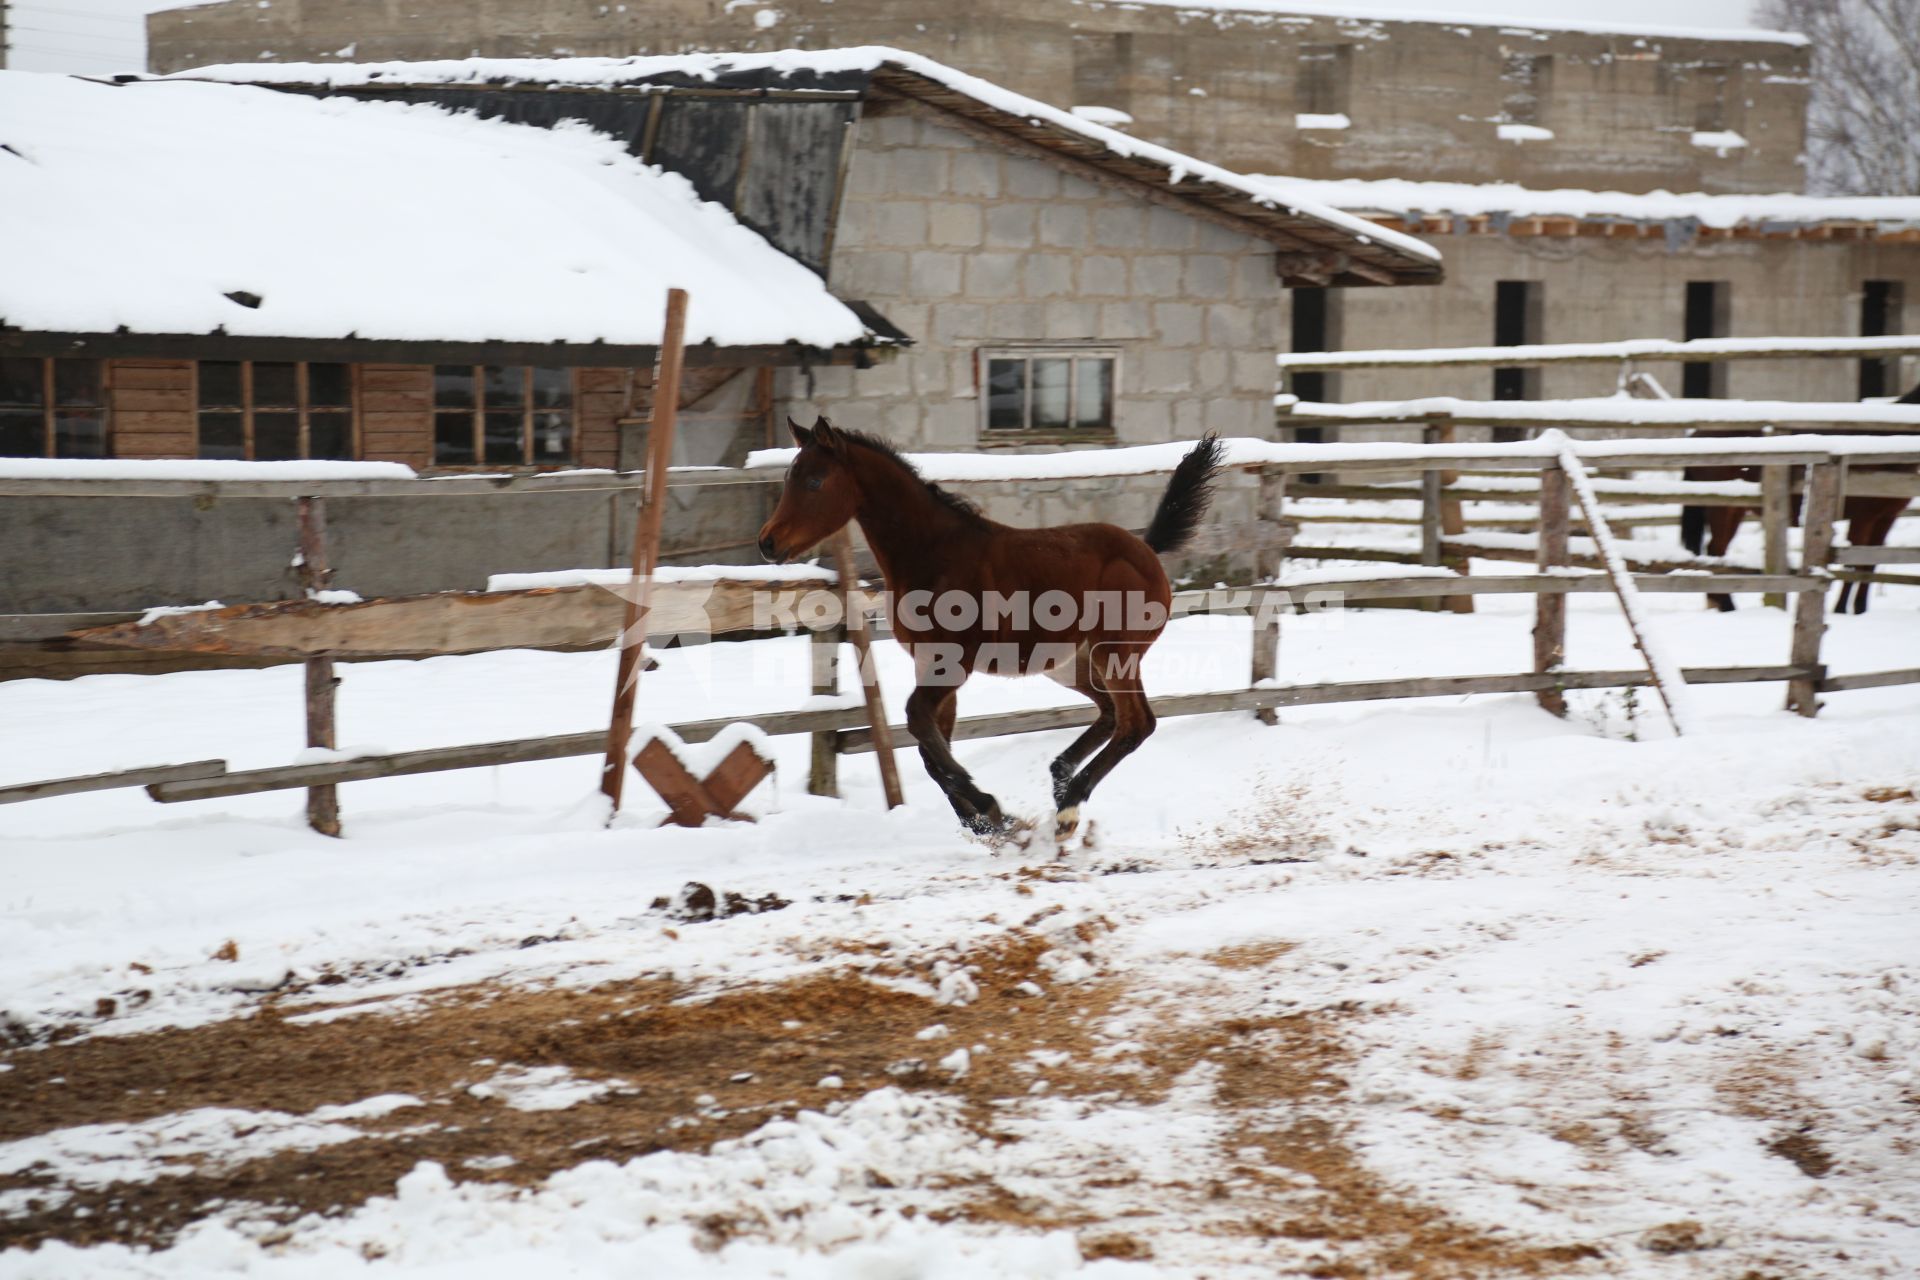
x=646 y=545
x=853 y=610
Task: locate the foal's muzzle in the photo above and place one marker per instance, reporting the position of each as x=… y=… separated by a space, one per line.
x=768 y=550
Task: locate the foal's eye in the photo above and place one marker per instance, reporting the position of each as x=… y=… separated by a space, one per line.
x=814 y=483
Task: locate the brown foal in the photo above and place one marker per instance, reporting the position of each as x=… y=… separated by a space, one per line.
x=1081 y=603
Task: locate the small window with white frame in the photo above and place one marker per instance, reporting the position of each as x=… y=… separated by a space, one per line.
x=1048 y=390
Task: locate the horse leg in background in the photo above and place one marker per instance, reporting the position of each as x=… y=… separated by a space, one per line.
x=1722 y=524
x=1856 y=533
x=1872 y=530
x=1096 y=734
x=1133 y=724
x=928 y=708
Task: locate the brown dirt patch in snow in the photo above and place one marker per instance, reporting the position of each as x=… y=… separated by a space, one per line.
x=760 y=1053
x=1277 y=1076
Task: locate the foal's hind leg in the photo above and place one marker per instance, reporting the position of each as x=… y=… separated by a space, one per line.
x=930 y=715
x=1097 y=733
x=1134 y=723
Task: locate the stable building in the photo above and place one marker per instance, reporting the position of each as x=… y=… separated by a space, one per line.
x=460 y=266
x=1567 y=265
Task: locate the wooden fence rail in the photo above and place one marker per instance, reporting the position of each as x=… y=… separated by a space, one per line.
x=844 y=728
x=1641 y=350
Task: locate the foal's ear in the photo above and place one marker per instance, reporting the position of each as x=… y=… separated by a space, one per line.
x=801 y=436
x=824 y=435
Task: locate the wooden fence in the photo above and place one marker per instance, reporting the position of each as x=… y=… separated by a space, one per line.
x=1625 y=353
x=1817 y=466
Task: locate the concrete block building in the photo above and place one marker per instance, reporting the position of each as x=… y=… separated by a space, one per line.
x=1537 y=155
x=866 y=234
x=1263 y=86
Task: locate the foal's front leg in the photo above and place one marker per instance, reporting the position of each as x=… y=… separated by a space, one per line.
x=928 y=708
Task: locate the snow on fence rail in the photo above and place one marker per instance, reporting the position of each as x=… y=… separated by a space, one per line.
x=1612 y=413
x=838 y=730
x=1649 y=350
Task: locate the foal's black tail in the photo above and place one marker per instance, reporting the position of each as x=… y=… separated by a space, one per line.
x=1186 y=498
x=1693 y=529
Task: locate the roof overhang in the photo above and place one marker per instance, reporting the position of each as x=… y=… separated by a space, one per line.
x=1318 y=245
x=355 y=350
x=1609 y=227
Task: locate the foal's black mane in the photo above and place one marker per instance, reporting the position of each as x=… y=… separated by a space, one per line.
x=952 y=501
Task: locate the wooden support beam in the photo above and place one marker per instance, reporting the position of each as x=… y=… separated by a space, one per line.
x=646 y=547
x=1550 y=611
x=1439 y=430
x=1810 y=610
x=1268 y=566
x=323 y=801
x=1776 y=503
x=823 y=651
x=855 y=616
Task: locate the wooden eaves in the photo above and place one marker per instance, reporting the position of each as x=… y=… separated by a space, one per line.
x=357 y=350
x=1313 y=253
x=1618 y=227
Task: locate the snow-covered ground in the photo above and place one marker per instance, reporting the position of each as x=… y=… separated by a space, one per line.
x=1423 y=988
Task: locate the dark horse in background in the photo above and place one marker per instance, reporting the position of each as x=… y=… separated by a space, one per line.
x=1081 y=603
x=1869 y=520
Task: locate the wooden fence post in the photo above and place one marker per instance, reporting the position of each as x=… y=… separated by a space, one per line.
x=646 y=546
x=1452 y=520
x=1269 y=563
x=323 y=801
x=823 y=650
x=1550 y=609
x=1776 y=507
x=1810 y=607
x=856 y=622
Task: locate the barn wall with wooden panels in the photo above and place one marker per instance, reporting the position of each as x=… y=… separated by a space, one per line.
x=155 y=408
x=73 y=555
x=150 y=409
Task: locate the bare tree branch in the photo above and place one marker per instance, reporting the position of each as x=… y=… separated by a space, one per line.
x=1863 y=125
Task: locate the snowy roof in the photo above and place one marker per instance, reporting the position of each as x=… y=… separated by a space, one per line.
x=1517 y=23
x=1369 y=253
x=160 y=207
x=1404 y=198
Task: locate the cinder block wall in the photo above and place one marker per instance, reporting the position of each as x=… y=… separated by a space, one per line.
x=1210 y=80
x=1603 y=290
x=966 y=245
